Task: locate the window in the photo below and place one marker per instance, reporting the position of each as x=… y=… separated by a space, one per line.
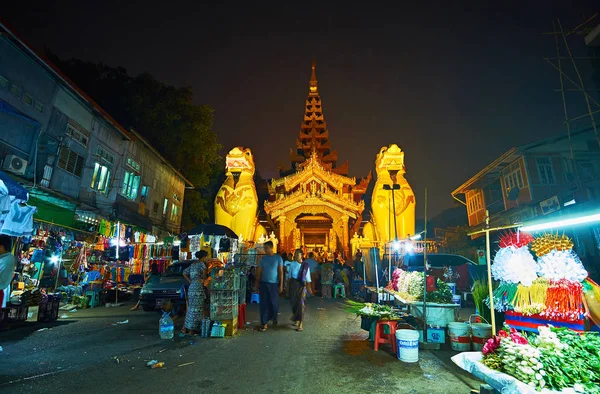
x=104 y=155
x=514 y=179
x=474 y=203
x=28 y=99
x=39 y=106
x=100 y=178
x=3 y=82
x=131 y=184
x=165 y=206
x=544 y=165
x=70 y=161
x=77 y=135
x=174 y=212
x=176 y=197
x=144 y=193
x=133 y=164
x=155 y=207
x=16 y=91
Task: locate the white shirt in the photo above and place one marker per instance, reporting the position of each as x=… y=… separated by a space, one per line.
x=295 y=271
x=7 y=269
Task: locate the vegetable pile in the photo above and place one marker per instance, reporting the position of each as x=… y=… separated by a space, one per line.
x=556 y=359
x=410 y=286
x=372 y=310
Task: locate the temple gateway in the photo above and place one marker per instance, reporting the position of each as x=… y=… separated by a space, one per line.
x=315 y=204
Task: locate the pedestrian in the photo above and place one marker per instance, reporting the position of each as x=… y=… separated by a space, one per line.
x=270 y=285
x=286 y=270
x=314 y=271
x=326 y=279
x=251 y=282
x=358 y=266
x=151 y=276
x=299 y=286
x=196 y=294
x=336 y=261
x=8 y=264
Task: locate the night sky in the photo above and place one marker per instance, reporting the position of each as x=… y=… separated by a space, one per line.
x=453 y=85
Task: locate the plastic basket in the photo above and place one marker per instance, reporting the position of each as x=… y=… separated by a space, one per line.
x=225 y=279
x=218 y=330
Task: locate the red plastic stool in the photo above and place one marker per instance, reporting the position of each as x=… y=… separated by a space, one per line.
x=241 y=315
x=381 y=338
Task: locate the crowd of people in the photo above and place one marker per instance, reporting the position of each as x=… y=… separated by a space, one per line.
x=296 y=276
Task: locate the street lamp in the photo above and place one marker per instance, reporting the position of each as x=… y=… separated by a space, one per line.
x=393 y=187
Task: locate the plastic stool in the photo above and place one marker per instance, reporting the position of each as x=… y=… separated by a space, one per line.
x=381 y=338
x=94 y=298
x=341 y=292
x=241 y=316
x=255 y=298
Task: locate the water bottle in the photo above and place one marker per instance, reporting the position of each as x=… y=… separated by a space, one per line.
x=166 y=328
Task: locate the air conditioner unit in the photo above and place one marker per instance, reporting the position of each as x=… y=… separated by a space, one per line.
x=15 y=164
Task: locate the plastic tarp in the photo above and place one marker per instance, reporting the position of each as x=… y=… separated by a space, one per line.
x=505 y=384
x=12 y=188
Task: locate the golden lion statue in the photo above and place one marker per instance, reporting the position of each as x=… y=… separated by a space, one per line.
x=389 y=166
x=236 y=204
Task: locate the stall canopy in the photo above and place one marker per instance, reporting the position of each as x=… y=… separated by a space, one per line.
x=437 y=260
x=212 y=229
x=9 y=187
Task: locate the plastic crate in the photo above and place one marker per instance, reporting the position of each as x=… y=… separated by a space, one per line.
x=242 y=291
x=225 y=279
x=223 y=312
x=48 y=310
x=14 y=313
x=231 y=326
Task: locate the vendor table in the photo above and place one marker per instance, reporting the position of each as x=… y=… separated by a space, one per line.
x=505 y=384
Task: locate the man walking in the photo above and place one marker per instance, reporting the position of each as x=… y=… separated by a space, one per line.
x=270 y=284
x=314 y=271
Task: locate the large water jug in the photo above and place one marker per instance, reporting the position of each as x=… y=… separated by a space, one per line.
x=166 y=328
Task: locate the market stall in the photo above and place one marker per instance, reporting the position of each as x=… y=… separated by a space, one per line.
x=541 y=281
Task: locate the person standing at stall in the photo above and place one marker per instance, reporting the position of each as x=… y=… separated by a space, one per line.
x=195 y=294
x=270 y=285
x=8 y=264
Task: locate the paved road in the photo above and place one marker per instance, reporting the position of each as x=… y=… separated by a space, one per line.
x=88 y=353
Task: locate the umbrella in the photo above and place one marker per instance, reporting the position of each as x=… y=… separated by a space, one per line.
x=212 y=229
x=437 y=260
x=12 y=188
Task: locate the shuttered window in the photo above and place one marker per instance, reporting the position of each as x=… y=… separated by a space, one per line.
x=70 y=161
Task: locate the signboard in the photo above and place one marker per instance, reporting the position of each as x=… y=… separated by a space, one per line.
x=550 y=205
x=481 y=259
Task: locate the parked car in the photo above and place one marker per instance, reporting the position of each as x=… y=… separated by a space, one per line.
x=167 y=288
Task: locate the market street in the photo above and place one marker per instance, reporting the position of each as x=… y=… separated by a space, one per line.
x=331 y=355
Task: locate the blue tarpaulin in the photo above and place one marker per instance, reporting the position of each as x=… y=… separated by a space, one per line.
x=12 y=188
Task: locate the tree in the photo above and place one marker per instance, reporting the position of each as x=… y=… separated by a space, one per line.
x=165 y=115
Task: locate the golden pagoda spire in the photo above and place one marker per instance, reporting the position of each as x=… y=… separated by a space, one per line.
x=313 y=79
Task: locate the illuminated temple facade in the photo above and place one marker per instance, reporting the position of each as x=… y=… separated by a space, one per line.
x=315 y=204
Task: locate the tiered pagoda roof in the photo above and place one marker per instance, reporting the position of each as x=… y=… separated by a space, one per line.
x=314 y=135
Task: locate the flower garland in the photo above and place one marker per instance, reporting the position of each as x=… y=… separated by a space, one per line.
x=515 y=265
x=531 y=300
x=562 y=264
x=563 y=300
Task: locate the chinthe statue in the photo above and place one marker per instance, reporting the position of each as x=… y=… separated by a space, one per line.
x=236 y=204
x=390 y=169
